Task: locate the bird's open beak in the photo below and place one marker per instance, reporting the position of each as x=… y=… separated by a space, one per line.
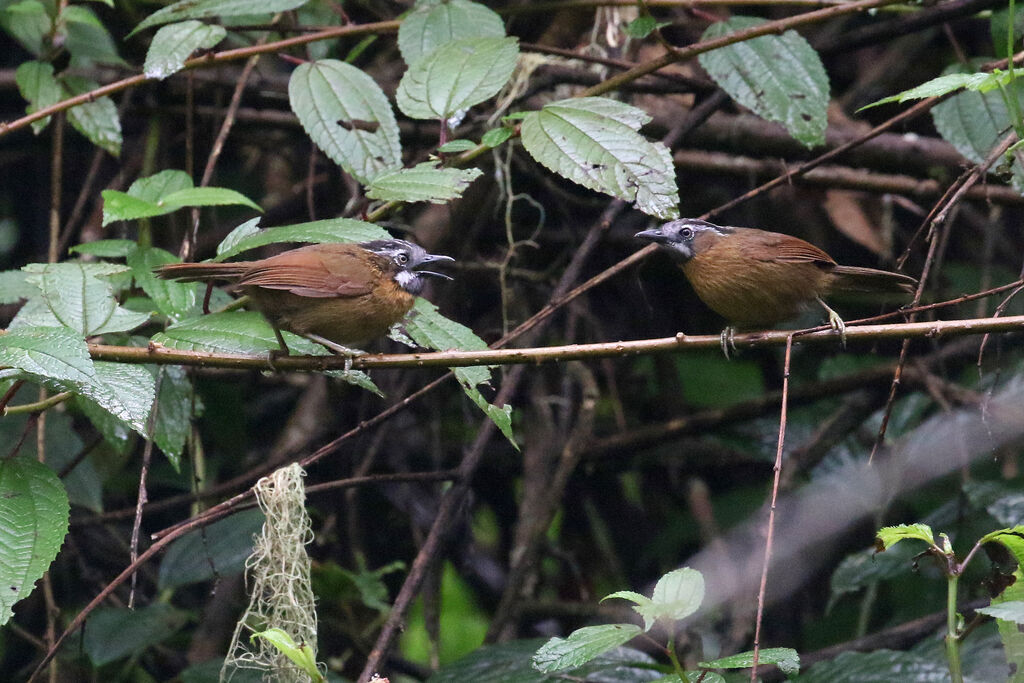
x=654 y=235
x=431 y=258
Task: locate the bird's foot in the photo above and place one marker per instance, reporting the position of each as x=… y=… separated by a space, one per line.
x=835 y=322
x=281 y=352
x=347 y=352
x=728 y=340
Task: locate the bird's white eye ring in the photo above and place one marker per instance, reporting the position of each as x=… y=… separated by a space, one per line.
x=686 y=233
x=402 y=258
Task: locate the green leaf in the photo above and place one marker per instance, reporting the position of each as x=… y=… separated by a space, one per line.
x=981 y=81
x=204 y=9
x=781 y=78
x=422 y=183
x=593 y=141
x=496 y=136
x=105 y=248
x=218 y=550
x=33 y=523
x=1007 y=611
x=890 y=535
x=347 y=115
x=461 y=145
x=173 y=44
x=230 y=332
x=430 y=329
x=80 y=296
x=301 y=655
x=118 y=632
x=511 y=662
x=878 y=666
x=431 y=25
x=207 y=196
x=125 y=391
x=973 y=122
x=165 y=193
x=87 y=39
x=97 y=120
x=581 y=646
x=52 y=352
x=678 y=594
x=177 y=406
x=14 y=286
x=1012 y=539
x=785 y=658
x=867 y=567
x=174 y=299
x=643 y=26
x=245 y=237
x=37 y=84
x=154 y=188
x=456 y=76
x=629 y=595
x=27 y=22
x=1009 y=632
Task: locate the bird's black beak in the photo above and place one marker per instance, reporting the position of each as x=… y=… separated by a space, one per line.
x=432 y=258
x=655 y=235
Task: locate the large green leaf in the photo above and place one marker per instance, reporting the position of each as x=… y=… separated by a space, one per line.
x=218 y=550
x=87 y=39
x=173 y=44
x=27 y=22
x=781 y=78
x=14 y=286
x=33 y=523
x=164 y=193
x=785 y=658
x=97 y=119
x=37 y=84
x=422 y=183
x=347 y=115
x=51 y=352
x=582 y=645
x=204 y=9
x=230 y=332
x=433 y=24
x=430 y=329
x=125 y=391
x=175 y=299
x=456 y=76
x=511 y=662
x=594 y=141
x=248 y=236
x=81 y=296
x=879 y=666
x=177 y=406
x=117 y=632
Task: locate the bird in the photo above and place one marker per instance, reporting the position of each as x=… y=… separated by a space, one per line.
x=755 y=278
x=340 y=295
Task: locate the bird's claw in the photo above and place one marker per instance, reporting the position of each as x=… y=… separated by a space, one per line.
x=835 y=322
x=728 y=341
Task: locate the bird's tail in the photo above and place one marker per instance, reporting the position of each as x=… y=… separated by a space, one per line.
x=854 y=279
x=201 y=272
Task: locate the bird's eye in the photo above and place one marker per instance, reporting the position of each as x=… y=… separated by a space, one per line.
x=401 y=258
x=686 y=233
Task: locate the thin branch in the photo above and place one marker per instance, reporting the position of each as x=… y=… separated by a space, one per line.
x=545 y=354
x=762 y=591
